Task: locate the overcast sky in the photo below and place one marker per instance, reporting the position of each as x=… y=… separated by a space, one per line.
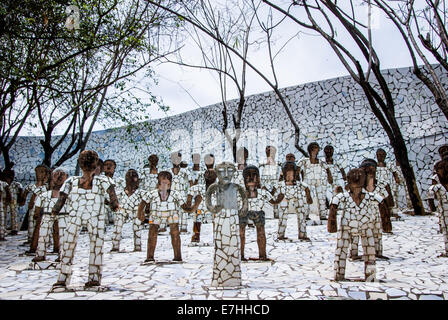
x=306 y=58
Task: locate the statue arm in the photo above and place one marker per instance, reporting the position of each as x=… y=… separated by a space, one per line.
x=332 y=224
x=208 y=199
x=243 y=195
x=59 y=204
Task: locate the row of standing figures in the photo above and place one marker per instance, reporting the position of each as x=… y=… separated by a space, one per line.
x=234 y=194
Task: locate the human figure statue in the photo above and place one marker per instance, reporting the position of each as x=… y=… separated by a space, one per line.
x=443 y=153
x=256 y=197
x=180 y=184
x=270 y=174
x=357 y=208
x=43 y=207
x=381 y=221
x=84 y=197
x=397 y=183
x=150 y=173
x=196 y=175
x=35 y=189
x=197 y=192
x=242 y=154
x=293 y=196
x=5 y=196
x=386 y=173
x=129 y=200
x=439 y=192
x=227 y=257
x=314 y=171
x=109 y=167
x=165 y=205
x=16 y=200
x=337 y=172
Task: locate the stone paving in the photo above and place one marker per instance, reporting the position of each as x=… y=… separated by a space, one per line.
x=301 y=270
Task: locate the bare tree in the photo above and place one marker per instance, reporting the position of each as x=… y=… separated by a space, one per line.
x=379 y=95
x=409 y=20
x=180 y=9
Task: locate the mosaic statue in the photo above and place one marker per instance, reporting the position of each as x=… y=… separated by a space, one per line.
x=196 y=175
x=84 y=199
x=5 y=196
x=381 y=210
x=150 y=173
x=180 y=184
x=314 y=172
x=43 y=207
x=227 y=257
x=129 y=200
x=387 y=174
x=109 y=167
x=439 y=192
x=337 y=172
x=164 y=207
x=16 y=200
x=256 y=197
x=35 y=189
x=357 y=208
x=197 y=192
x=293 y=196
x=270 y=174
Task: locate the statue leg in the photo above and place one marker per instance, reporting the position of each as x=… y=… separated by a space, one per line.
x=95 y=227
x=44 y=238
x=275 y=210
x=282 y=222
x=354 y=243
x=14 y=224
x=36 y=231
x=56 y=235
x=261 y=241
x=152 y=241
x=137 y=228
x=243 y=240
x=340 y=256
x=175 y=241
x=119 y=221
x=68 y=251
x=301 y=224
x=2 y=224
x=368 y=246
x=196 y=232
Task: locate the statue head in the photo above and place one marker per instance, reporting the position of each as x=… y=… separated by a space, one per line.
x=176 y=158
x=225 y=172
x=209 y=160
x=441 y=168
x=270 y=152
x=164 y=179
x=289 y=169
x=153 y=160
x=196 y=158
x=381 y=155
x=210 y=177
x=328 y=150
x=251 y=176
x=42 y=172
x=109 y=167
x=443 y=149
x=241 y=155
x=313 y=149
x=132 y=179
x=88 y=161
x=369 y=167
x=58 y=177
x=356 y=178
x=290 y=157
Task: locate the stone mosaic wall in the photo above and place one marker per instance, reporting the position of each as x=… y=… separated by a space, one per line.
x=331 y=111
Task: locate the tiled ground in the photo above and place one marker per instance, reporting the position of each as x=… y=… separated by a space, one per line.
x=301 y=270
